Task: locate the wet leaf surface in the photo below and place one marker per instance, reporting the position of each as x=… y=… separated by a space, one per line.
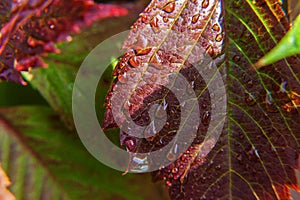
x=30 y=29
x=256 y=155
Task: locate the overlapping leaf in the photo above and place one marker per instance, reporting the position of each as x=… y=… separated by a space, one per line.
x=31 y=28
x=45 y=161
x=257 y=152
x=55 y=83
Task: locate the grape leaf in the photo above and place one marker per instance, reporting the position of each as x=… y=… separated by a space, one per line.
x=30 y=28
x=257 y=152
x=4 y=183
x=45 y=161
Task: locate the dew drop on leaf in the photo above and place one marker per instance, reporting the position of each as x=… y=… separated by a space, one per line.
x=168 y=183
x=216 y=27
x=283 y=86
x=236 y=58
x=154 y=25
x=144 y=18
x=133 y=61
x=219 y=38
x=195 y=18
x=169 y=7
x=270 y=104
x=174 y=170
x=249 y=99
x=205 y=3
x=165 y=19
x=122 y=78
x=144 y=51
x=205 y=118
x=130 y=145
x=51 y=26
x=172 y=155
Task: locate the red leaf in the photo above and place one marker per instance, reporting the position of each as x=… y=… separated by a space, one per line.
x=30 y=28
x=257 y=151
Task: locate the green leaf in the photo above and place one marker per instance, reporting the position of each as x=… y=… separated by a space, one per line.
x=288 y=46
x=45 y=161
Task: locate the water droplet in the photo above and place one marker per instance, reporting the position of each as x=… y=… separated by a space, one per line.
x=210 y=50
x=174 y=170
x=172 y=155
x=134 y=28
x=154 y=25
x=145 y=51
x=150 y=131
x=169 y=7
x=144 y=18
x=165 y=104
x=216 y=27
x=194 y=1
x=236 y=58
x=130 y=145
x=122 y=78
x=205 y=118
x=283 y=86
x=219 y=38
x=218 y=167
x=160 y=113
x=127 y=105
x=121 y=65
x=253 y=152
x=133 y=61
x=52 y=26
x=195 y=18
x=250 y=99
x=165 y=19
x=205 y=3
x=270 y=104
x=168 y=183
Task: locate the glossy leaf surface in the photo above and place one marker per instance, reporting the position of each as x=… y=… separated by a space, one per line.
x=30 y=29
x=257 y=153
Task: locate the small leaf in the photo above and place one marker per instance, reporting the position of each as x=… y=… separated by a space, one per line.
x=288 y=46
x=5 y=194
x=45 y=161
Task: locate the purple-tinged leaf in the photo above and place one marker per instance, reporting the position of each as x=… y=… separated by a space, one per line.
x=30 y=29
